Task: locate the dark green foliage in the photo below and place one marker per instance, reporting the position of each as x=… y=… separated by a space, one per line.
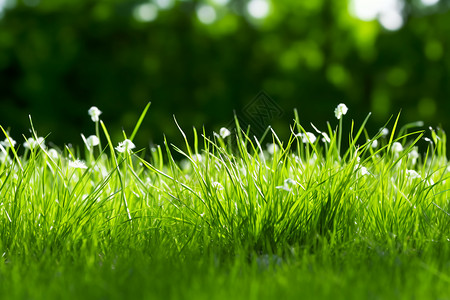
x=58 y=58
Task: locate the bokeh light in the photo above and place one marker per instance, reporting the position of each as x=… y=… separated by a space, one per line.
x=258 y=9
x=387 y=12
x=429 y=2
x=146 y=12
x=165 y=4
x=221 y=2
x=206 y=14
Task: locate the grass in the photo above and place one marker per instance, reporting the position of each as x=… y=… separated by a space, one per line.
x=236 y=218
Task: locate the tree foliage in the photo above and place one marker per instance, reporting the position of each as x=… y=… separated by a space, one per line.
x=58 y=58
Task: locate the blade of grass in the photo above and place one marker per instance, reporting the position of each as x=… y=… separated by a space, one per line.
x=139 y=122
x=12 y=149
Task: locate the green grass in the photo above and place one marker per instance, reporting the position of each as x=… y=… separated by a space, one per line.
x=236 y=218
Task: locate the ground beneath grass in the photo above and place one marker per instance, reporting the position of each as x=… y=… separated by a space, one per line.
x=349 y=274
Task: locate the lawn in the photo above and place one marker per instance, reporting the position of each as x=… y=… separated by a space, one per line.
x=236 y=218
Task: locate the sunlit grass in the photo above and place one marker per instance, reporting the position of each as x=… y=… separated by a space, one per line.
x=237 y=217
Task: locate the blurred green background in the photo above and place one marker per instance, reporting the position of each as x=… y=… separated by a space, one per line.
x=201 y=60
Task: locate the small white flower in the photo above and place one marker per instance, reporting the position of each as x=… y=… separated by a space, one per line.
x=5 y=143
x=313 y=159
x=29 y=143
x=307 y=137
x=217 y=185
x=297 y=159
x=284 y=187
x=396 y=147
x=326 y=138
x=428 y=140
x=374 y=144
x=224 y=132
x=364 y=171
x=32 y=143
x=272 y=148
x=197 y=157
x=92 y=140
x=413 y=155
x=412 y=174
x=53 y=153
x=361 y=169
x=384 y=132
x=3 y=157
x=185 y=164
x=77 y=164
x=340 y=110
x=288 y=184
x=94 y=112
x=125 y=146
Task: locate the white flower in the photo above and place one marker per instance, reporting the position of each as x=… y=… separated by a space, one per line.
x=185 y=164
x=29 y=143
x=297 y=159
x=313 y=159
x=374 y=144
x=361 y=169
x=32 y=143
x=125 y=146
x=217 y=185
x=364 y=171
x=288 y=184
x=326 y=138
x=92 y=141
x=396 y=147
x=413 y=155
x=412 y=174
x=94 y=112
x=307 y=137
x=197 y=157
x=284 y=187
x=53 y=154
x=77 y=164
x=340 y=110
x=272 y=148
x=5 y=143
x=3 y=157
x=224 y=132
x=384 y=132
